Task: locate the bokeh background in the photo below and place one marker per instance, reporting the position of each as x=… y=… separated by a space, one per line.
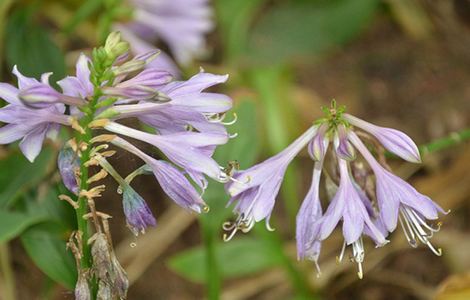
x=398 y=63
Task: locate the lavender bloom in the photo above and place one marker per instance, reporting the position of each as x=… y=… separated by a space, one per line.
x=185 y=149
x=68 y=163
x=138 y=214
x=189 y=108
x=307 y=225
x=400 y=201
x=172 y=180
x=393 y=140
x=254 y=190
x=79 y=85
x=41 y=95
x=181 y=24
x=30 y=125
x=348 y=206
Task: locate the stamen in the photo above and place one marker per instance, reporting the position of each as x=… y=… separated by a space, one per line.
x=341 y=255
x=416 y=227
x=235 y=118
x=232 y=136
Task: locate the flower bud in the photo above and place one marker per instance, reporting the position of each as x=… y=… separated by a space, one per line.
x=41 y=95
x=114 y=46
x=318 y=145
x=138 y=214
x=343 y=147
x=67 y=162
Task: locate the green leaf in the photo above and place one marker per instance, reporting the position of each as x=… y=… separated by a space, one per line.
x=234 y=19
x=298 y=29
x=29 y=47
x=45 y=244
x=240 y=257
x=21 y=175
x=13 y=223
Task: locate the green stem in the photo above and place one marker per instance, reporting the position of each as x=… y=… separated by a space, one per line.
x=213 y=277
x=7 y=273
x=446 y=142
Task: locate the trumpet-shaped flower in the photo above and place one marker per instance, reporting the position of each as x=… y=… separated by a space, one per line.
x=30 y=125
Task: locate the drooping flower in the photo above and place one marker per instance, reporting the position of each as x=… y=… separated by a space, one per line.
x=138 y=214
x=307 y=225
x=398 y=200
x=254 y=190
x=172 y=180
x=348 y=206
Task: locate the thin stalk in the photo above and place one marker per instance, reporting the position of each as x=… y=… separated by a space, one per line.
x=446 y=142
x=7 y=273
x=213 y=277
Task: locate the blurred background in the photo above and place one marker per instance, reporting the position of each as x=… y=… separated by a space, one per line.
x=398 y=63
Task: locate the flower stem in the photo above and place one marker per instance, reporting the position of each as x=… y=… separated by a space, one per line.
x=440 y=144
x=213 y=278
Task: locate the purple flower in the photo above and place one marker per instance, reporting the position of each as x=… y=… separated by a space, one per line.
x=172 y=180
x=190 y=94
x=79 y=85
x=25 y=123
x=393 y=140
x=318 y=145
x=182 y=24
x=348 y=206
x=138 y=215
x=307 y=225
x=254 y=190
x=68 y=163
x=400 y=201
x=186 y=149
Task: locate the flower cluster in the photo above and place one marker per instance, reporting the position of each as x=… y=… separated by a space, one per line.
x=181 y=24
x=187 y=123
x=362 y=211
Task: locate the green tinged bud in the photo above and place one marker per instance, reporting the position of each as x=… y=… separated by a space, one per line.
x=114 y=46
x=108 y=114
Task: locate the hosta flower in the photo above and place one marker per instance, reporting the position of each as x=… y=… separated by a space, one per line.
x=79 y=85
x=348 y=206
x=171 y=179
x=254 y=190
x=186 y=149
x=181 y=24
x=138 y=214
x=30 y=125
x=398 y=200
x=68 y=163
x=308 y=242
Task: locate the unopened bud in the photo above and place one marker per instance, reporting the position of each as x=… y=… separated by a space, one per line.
x=114 y=46
x=68 y=162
